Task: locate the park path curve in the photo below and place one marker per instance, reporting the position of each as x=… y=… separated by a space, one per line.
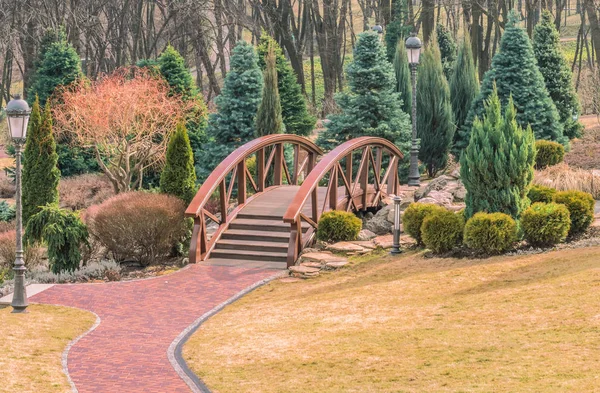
x=127 y=352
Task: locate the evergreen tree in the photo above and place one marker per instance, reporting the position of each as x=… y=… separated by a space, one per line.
x=403 y=83
x=497 y=166
x=178 y=178
x=515 y=73
x=397 y=29
x=233 y=124
x=557 y=74
x=370 y=107
x=447 y=49
x=40 y=174
x=295 y=116
x=435 y=123
x=268 y=118
x=464 y=87
x=60 y=66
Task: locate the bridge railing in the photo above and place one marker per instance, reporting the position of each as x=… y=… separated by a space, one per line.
x=233 y=184
x=351 y=184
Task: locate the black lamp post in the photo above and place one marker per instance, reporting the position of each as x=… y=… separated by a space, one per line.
x=17 y=113
x=413 y=49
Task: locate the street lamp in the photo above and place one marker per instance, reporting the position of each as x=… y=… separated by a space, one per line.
x=396 y=244
x=413 y=49
x=17 y=113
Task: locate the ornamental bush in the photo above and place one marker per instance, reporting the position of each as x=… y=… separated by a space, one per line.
x=178 y=178
x=442 y=231
x=545 y=224
x=491 y=233
x=414 y=216
x=8 y=250
x=539 y=193
x=338 y=226
x=548 y=153
x=581 y=209
x=139 y=226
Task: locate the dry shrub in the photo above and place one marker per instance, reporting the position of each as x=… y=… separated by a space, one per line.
x=564 y=178
x=83 y=191
x=7 y=188
x=7 y=226
x=8 y=248
x=137 y=225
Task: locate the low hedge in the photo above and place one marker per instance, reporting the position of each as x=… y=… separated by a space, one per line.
x=491 y=233
x=541 y=194
x=442 y=231
x=338 y=226
x=413 y=218
x=545 y=224
x=581 y=208
x=548 y=153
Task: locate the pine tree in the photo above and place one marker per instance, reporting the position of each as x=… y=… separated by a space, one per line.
x=557 y=74
x=178 y=178
x=464 y=87
x=397 y=29
x=234 y=123
x=268 y=117
x=370 y=107
x=447 y=49
x=515 y=73
x=40 y=174
x=402 y=71
x=497 y=166
x=60 y=66
x=295 y=116
x=435 y=123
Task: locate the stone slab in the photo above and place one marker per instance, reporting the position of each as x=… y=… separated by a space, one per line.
x=322 y=257
x=345 y=247
x=32 y=289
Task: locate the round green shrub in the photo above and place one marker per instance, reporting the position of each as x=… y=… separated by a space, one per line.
x=492 y=233
x=541 y=194
x=338 y=226
x=581 y=209
x=545 y=224
x=413 y=218
x=442 y=231
x=548 y=153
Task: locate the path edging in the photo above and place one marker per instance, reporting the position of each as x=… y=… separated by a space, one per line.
x=174 y=352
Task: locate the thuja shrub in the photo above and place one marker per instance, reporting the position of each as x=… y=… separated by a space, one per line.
x=338 y=226
x=541 y=194
x=491 y=233
x=545 y=224
x=413 y=218
x=581 y=208
x=548 y=154
x=138 y=226
x=442 y=231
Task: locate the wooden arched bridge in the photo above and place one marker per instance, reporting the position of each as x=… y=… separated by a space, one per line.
x=261 y=206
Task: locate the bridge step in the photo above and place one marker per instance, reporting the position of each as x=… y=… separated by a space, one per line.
x=250 y=255
x=241 y=234
x=264 y=225
x=252 y=245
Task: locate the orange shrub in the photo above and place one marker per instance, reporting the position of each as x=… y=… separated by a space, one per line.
x=8 y=249
x=83 y=191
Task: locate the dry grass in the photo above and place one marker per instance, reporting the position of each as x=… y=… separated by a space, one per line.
x=32 y=344
x=411 y=324
x=563 y=178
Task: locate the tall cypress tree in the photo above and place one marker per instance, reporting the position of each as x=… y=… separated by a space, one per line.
x=40 y=174
x=234 y=122
x=268 y=118
x=557 y=74
x=447 y=49
x=294 y=113
x=464 y=87
x=402 y=71
x=515 y=73
x=179 y=177
x=435 y=123
x=497 y=166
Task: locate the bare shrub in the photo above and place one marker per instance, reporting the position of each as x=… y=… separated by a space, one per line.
x=33 y=255
x=564 y=178
x=83 y=191
x=137 y=225
x=7 y=188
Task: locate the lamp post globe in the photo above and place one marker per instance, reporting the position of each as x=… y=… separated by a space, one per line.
x=413 y=50
x=17 y=114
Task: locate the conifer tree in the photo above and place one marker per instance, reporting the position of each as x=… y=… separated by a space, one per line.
x=178 y=178
x=497 y=166
x=398 y=29
x=435 y=123
x=557 y=74
x=402 y=71
x=234 y=122
x=40 y=174
x=294 y=113
x=515 y=73
x=447 y=49
x=371 y=106
x=268 y=117
x=464 y=87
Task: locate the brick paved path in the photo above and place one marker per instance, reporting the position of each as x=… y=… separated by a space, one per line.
x=127 y=352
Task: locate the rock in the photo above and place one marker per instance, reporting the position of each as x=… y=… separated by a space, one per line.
x=365 y=244
x=317 y=265
x=443 y=197
x=303 y=269
x=455 y=174
x=322 y=257
x=345 y=247
x=460 y=193
x=430 y=200
x=437 y=184
x=379 y=224
x=336 y=265
x=385 y=241
x=365 y=234
x=309 y=250
x=290 y=279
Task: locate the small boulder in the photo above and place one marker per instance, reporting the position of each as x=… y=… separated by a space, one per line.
x=336 y=265
x=322 y=257
x=365 y=234
x=345 y=247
